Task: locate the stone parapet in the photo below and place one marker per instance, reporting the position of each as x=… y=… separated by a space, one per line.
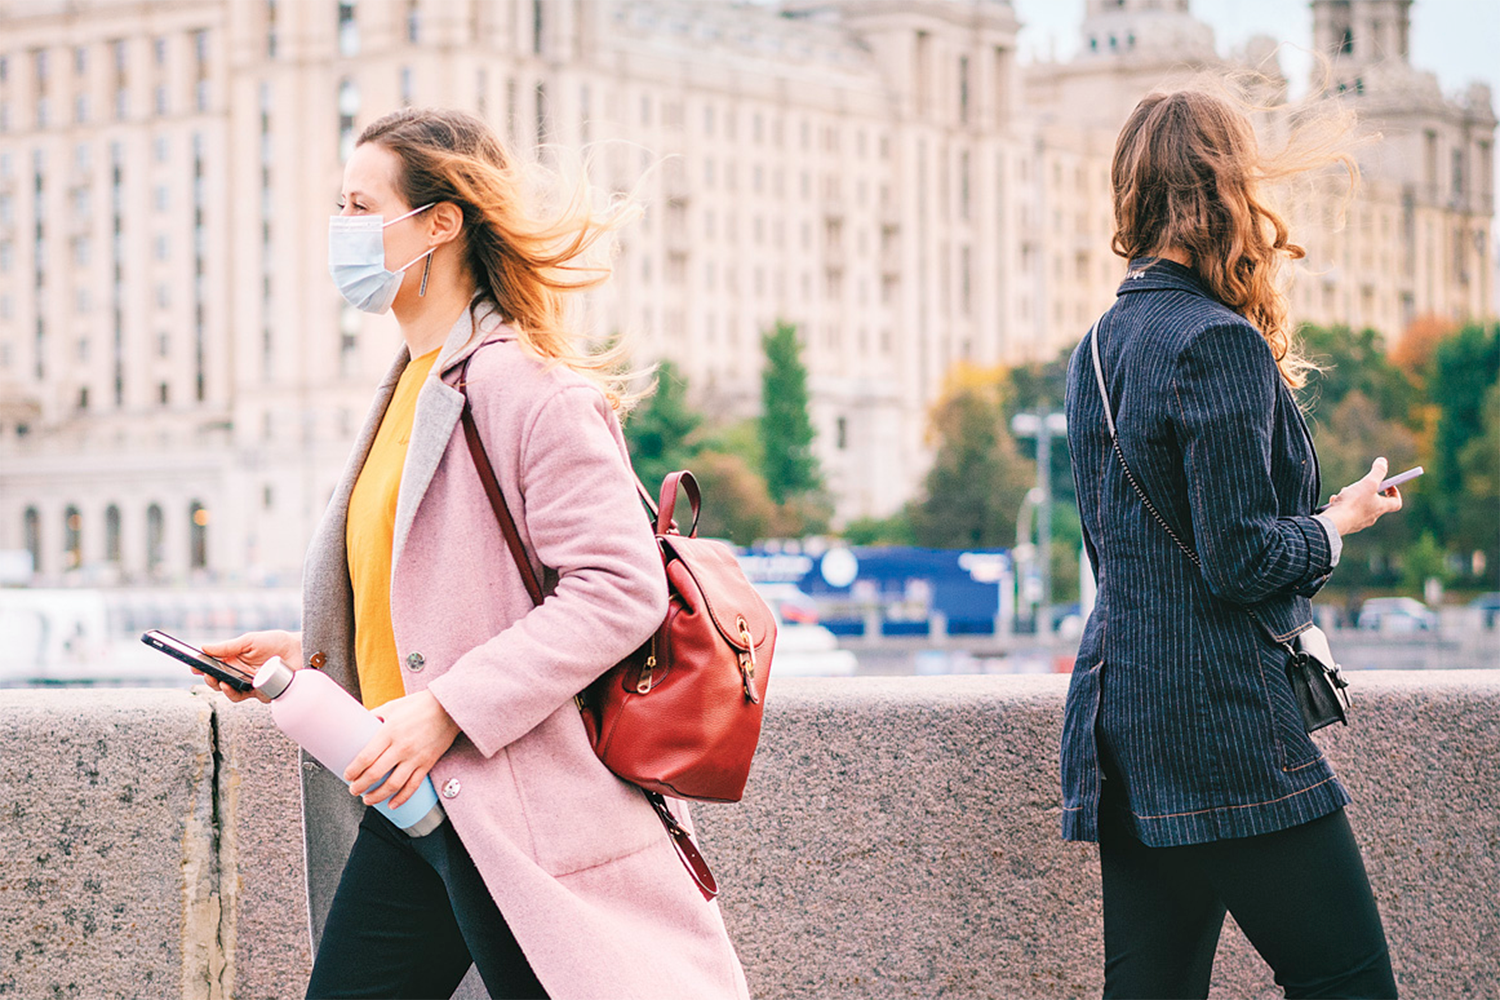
x=898 y=839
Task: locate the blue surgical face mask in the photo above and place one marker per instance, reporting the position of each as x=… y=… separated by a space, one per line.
x=356 y=260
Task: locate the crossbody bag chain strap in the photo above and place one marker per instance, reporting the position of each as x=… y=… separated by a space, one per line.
x=1114 y=439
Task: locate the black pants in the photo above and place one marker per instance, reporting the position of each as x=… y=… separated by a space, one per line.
x=409 y=917
x=1300 y=895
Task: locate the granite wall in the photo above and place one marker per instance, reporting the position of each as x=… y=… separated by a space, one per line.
x=899 y=839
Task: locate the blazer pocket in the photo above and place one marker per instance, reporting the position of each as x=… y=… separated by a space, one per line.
x=1294 y=747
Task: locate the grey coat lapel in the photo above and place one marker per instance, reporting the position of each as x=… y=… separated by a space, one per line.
x=439 y=407
x=330 y=813
x=328 y=612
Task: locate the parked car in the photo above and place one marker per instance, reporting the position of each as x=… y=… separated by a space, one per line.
x=803 y=647
x=1488 y=606
x=1396 y=614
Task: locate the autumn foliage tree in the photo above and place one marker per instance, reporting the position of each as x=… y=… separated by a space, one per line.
x=978 y=479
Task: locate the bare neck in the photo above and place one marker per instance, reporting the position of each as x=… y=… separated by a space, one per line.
x=1176 y=255
x=425 y=320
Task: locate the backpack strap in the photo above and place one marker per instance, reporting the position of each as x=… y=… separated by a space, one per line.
x=492 y=489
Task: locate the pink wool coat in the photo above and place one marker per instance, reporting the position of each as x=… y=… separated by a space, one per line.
x=576 y=859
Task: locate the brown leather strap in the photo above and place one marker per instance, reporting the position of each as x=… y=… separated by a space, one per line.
x=686 y=849
x=492 y=490
x=668 y=504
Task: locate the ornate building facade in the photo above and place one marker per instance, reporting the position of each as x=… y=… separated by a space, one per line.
x=179 y=381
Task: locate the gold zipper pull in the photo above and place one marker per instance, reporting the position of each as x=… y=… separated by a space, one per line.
x=643 y=684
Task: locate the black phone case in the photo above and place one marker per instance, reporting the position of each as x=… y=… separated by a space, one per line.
x=216 y=669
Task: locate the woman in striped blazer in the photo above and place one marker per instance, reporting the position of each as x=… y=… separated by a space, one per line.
x=1184 y=754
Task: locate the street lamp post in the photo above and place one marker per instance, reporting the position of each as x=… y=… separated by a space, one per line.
x=1044 y=427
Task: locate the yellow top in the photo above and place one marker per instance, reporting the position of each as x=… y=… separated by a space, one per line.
x=370 y=535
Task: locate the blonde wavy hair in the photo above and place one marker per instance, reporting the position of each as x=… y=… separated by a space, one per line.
x=1188 y=174
x=532 y=236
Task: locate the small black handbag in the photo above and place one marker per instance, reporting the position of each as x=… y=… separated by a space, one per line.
x=1317 y=682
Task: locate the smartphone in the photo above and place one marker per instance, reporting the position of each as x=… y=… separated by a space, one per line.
x=198 y=659
x=1399 y=478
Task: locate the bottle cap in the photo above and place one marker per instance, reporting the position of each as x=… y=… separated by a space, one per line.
x=272 y=678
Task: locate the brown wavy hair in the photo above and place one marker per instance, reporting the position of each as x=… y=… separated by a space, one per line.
x=532 y=237
x=1188 y=174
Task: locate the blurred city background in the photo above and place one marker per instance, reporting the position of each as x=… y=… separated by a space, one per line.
x=874 y=230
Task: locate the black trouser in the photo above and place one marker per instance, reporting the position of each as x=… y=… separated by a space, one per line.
x=1300 y=895
x=409 y=917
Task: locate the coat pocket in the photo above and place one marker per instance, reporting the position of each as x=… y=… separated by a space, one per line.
x=1294 y=747
x=580 y=815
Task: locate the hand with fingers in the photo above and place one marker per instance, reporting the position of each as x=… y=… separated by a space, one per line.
x=416 y=731
x=249 y=652
x=1362 y=503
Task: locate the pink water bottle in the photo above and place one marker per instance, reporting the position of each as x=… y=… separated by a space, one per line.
x=328 y=723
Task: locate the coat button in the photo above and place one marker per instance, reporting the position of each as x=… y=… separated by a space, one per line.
x=414 y=662
x=451 y=788
x=317 y=660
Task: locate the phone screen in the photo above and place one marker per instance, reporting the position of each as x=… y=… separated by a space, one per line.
x=198 y=659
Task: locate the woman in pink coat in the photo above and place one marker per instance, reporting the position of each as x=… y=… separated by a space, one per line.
x=552 y=876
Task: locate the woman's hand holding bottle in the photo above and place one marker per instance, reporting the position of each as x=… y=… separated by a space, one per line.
x=417 y=730
x=1361 y=504
x=249 y=652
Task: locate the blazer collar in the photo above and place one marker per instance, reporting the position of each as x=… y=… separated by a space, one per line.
x=1149 y=274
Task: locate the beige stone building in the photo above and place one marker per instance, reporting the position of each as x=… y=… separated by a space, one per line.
x=179 y=381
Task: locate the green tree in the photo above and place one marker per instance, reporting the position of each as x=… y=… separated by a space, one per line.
x=1354 y=362
x=786 y=431
x=1350 y=437
x=977 y=481
x=736 y=504
x=660 y=433
x=1478 y=517
x=1464 y=367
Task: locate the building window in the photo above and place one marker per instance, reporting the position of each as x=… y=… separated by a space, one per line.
x=348 y=30
x=72 y=538
x=33 y=532
x=200 y=57
x=112 y=534
x=963 y=90
x=197 y=536
x=541 y=113
x=349 y=324
x=155 y=538
x=121 y=63
x=348 y=109
x=406 y=85
x=413 y=22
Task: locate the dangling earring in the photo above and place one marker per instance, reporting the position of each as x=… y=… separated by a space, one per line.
x=426 y=270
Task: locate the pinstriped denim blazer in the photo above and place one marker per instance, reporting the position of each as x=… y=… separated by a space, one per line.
x=1176 y=686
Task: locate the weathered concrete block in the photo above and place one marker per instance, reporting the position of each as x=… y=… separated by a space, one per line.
x=265 y=942
x=108 y=861
x=900 y=838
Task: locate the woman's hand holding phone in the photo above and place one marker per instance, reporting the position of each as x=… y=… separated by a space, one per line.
x=249 y=652
x=1361 y=504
